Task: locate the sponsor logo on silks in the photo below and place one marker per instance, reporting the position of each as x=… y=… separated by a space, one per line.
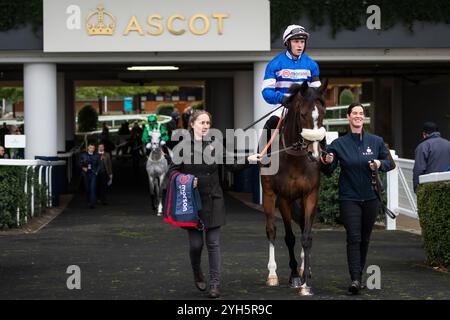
x=294 y=73
x=184 y=179
x=368 y=152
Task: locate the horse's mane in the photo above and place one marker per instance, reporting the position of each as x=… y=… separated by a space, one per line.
x=300 y=94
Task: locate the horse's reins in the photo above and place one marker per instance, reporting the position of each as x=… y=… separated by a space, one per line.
x=377 y=187
x=264 y=116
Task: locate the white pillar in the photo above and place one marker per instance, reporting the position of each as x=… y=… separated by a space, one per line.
x=260 y=106
x=105 y=103
x=61 y=113
x=39 y=83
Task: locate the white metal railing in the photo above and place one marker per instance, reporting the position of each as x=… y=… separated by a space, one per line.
x=122 y=117
x=45 y=169
x=69 y=158
x=103 y=118
x=401 y=198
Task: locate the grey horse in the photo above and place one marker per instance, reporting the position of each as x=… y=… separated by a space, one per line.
x=156 y=167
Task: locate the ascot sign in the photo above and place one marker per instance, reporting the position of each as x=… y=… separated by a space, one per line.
x=157 y=25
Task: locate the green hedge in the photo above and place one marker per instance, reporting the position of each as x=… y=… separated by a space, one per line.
x=351 y=14
x=340 y=15
x=165 y=109
x=13 y=195
x=328 y=205
x=433 y=202
x=346 y=97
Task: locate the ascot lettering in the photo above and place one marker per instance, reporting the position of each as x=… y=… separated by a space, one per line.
x=177 y=24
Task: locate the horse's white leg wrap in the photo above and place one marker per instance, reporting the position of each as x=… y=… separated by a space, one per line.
x=272 y=280
x=302 y=259
x=272 y=266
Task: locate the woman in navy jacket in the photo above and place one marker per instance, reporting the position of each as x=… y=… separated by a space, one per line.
x=358 y=153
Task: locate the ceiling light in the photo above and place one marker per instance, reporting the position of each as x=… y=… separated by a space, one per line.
x=152 y=68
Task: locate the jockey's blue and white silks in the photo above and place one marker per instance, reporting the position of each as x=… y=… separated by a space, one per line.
x=283 y=71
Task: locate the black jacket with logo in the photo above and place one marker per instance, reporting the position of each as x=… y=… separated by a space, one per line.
x=353 y=154
x=203 y=160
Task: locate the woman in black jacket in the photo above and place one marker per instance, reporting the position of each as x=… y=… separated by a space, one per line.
x=358 y=153
x=195 y=150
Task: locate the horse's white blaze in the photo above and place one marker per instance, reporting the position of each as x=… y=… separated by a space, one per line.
x=315 y=116
x=272 y=266
x=315 y=149
x=316 y=134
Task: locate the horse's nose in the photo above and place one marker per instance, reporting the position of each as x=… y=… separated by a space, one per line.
x=311 y=152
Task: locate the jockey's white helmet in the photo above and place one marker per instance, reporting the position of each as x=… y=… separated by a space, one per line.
x=294 y=31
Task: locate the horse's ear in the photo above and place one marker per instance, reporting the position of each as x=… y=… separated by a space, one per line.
x=304 y=88
x=323 y=87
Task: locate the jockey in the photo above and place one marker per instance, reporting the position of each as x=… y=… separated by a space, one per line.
x=289 y=67
x=152 y=124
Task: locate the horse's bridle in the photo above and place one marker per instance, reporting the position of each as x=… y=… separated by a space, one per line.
x=298 y=148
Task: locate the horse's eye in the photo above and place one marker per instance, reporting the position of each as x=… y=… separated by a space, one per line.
x=303 y=115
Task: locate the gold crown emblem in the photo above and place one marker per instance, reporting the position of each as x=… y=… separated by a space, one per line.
x=101 y=29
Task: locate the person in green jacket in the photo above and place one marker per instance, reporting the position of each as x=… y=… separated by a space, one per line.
x=152 y=124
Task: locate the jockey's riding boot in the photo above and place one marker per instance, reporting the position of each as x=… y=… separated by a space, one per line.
x=354 y=287
x=214 y=291
x=199 y=280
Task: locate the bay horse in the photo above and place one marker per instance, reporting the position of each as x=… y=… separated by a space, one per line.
x=298 y=178
x=156 y=168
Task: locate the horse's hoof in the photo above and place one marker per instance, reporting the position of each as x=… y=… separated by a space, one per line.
x=272 y=281
x=305 y=291
x=296 y=282
x=159 y=214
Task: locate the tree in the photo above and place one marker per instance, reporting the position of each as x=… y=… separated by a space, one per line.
x=346 y=97
x=87 y=119
x=13 y=95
